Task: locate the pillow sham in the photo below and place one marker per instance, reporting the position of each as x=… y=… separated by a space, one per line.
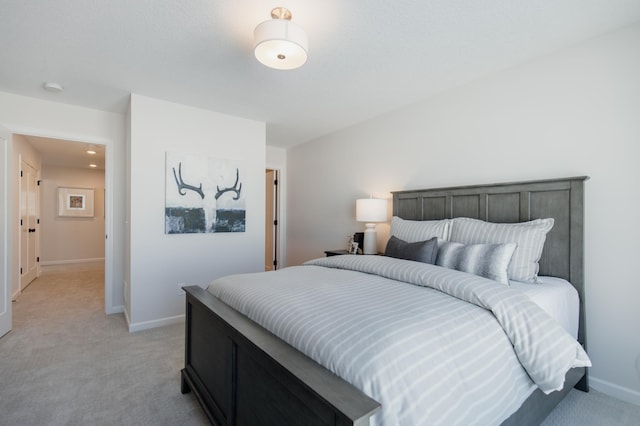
x=421 y=251
x=413 y=231
x=529 y=237
x=486 y=260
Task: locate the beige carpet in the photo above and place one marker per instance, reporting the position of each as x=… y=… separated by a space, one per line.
x=66 y=363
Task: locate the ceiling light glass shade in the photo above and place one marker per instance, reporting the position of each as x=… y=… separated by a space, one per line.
x=280 y=44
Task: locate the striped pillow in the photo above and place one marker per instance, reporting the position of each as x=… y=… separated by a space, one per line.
x=486 y=260
x=413 y=231
x=529 y=236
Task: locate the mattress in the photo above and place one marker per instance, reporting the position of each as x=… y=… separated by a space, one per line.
x=432 y=345
x=557 y=297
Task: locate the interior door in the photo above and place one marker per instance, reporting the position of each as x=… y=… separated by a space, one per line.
x=271 y=220
x=28 y=224
x=5 y=275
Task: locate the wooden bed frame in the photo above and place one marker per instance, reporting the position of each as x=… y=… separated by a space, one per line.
x=242 y=374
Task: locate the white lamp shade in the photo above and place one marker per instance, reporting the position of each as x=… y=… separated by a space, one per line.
x=371 y=210
x=280 y=44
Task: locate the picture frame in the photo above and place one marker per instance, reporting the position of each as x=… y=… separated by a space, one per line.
x=75 y=202
x=358 y=237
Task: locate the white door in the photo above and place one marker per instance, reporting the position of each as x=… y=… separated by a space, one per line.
x=28 y=224
x=5 y=275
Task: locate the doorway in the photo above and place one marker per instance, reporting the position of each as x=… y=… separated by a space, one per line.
x=49 y=236
x=271 y=220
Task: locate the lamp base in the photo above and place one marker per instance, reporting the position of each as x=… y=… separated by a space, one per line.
x=370 y=243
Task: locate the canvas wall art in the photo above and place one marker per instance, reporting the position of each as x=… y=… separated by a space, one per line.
x=203 y=195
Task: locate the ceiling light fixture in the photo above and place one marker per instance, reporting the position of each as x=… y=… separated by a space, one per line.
x=91 y=152
x=279 y=43
x=53 y=87
x=93 y=166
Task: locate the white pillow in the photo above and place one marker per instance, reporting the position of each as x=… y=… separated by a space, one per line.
x=413 y=231
x=529 y=236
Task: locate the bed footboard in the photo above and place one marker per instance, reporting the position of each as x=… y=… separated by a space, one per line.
x=241 y=374
x=538 y=406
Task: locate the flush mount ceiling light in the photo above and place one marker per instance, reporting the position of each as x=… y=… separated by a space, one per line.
x=279 y=43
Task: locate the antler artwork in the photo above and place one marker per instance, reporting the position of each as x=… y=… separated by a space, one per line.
x=232 y=188
x=182 y=187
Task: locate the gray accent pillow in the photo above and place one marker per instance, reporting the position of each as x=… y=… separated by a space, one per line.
x=486 y=260
x=529 y=236
x=421 y=251
x=413 y=231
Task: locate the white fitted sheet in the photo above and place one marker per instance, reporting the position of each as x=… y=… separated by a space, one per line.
x=557 y=297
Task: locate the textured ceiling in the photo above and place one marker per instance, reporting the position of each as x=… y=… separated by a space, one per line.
x=366 y=57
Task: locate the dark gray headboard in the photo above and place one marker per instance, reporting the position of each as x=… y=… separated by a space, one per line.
x=561 y=199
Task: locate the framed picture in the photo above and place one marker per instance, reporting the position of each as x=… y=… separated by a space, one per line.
x=75 y=202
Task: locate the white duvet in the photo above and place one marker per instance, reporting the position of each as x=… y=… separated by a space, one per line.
x=432 y=345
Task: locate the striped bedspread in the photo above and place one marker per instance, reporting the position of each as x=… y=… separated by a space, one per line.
x=432 y=345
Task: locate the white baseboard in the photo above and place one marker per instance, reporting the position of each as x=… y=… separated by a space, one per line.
x=115 y=310
x=144 y=325
x=71 y=261
x=616 y=391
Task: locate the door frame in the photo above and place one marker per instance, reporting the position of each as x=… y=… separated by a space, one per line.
x=272 y=230
x=6 y=258
x=282 y=207
x=109 y=186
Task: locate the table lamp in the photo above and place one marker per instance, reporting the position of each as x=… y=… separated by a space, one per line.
x=371 y=210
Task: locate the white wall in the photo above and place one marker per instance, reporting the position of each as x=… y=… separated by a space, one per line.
x=36 y=117
x=71 y=239
x=23 y=149
x=159 y=262
x=276 y=157
x=573 y=113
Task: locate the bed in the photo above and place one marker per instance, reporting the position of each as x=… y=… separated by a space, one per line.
x=243 y=374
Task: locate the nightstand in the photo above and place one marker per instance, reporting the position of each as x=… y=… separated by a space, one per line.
x=335 y=252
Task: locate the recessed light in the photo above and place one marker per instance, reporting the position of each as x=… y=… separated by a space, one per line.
x=53 y=87
x=92 y=166
x=91 y=152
